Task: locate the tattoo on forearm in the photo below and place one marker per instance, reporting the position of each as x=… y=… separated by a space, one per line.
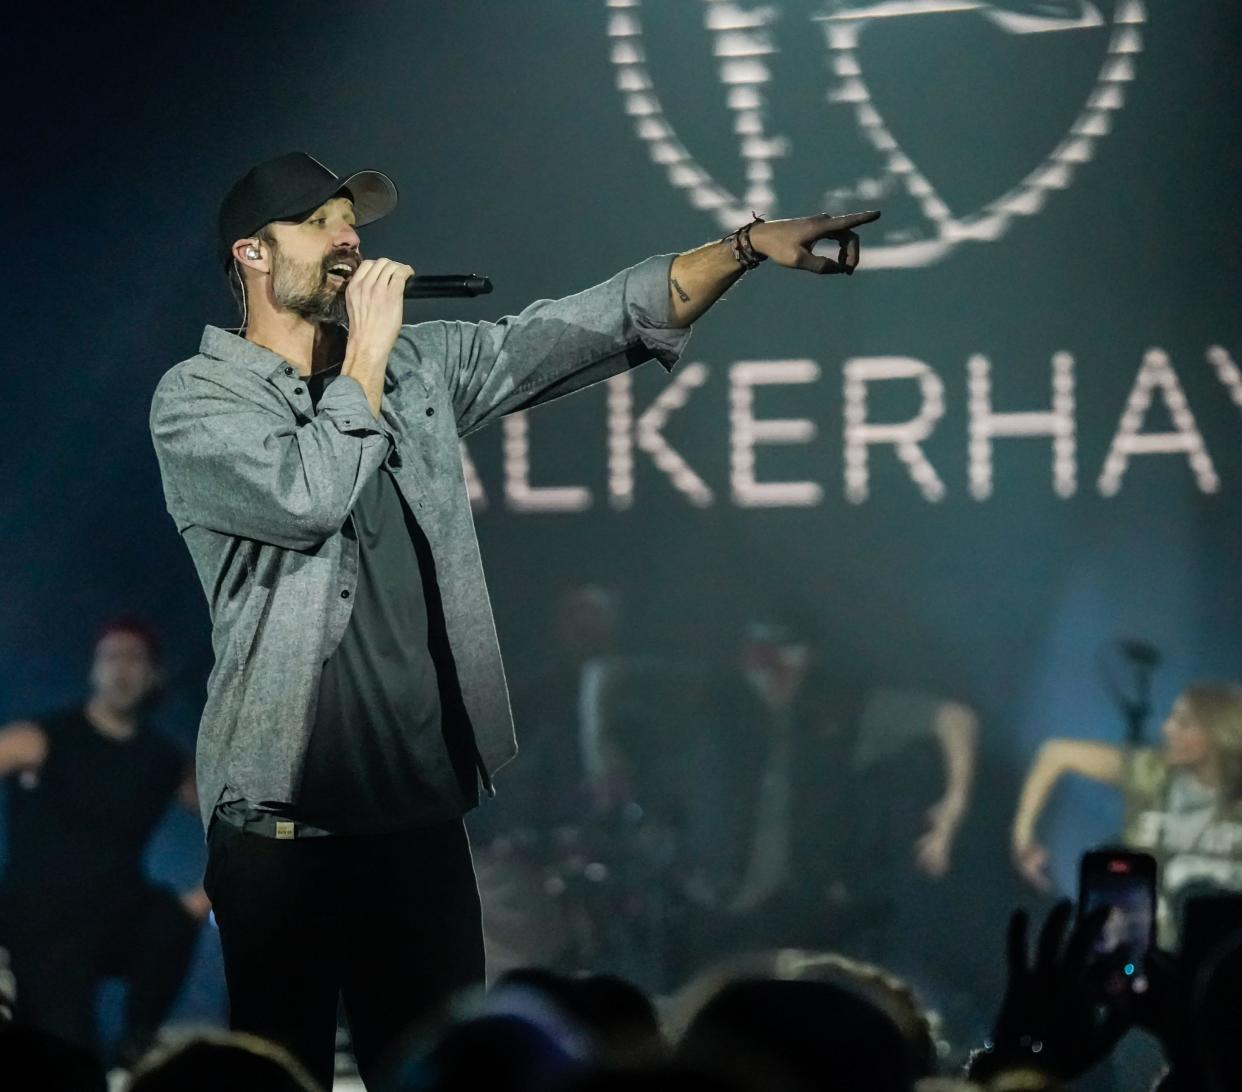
x=682 y=294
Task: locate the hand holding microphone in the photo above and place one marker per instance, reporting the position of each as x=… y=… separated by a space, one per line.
x=374 y=298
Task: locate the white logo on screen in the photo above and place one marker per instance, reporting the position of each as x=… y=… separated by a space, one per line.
x=742 y=42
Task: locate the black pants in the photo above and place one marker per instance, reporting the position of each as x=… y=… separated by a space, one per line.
x=389 y=923
x=60 y=953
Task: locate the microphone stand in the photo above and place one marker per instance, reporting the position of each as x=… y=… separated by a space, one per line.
x=1135 y=704
x=1138 y=710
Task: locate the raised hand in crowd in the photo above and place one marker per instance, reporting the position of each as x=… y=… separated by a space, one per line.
x=1053 y=1019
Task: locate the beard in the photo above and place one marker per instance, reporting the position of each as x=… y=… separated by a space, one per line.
x=304 y=289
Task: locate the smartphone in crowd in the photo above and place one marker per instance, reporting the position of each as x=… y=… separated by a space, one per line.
x=1125 y=883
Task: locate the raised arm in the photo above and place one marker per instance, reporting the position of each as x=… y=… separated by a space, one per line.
x=552 y=347
x=556 y=347
x=956 y=730
x=699 y=278
x=23 y=747
x=1096 y=761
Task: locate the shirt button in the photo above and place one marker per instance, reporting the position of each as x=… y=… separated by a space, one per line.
x=345 y=593
x=431 y=411
x=297 y=390
x=288 y=371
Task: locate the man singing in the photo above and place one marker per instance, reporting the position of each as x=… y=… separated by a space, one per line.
x=311 y=462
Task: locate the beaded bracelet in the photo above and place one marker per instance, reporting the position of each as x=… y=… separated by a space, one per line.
x=739 y=241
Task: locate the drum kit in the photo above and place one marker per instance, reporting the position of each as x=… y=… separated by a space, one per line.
x=601 y=896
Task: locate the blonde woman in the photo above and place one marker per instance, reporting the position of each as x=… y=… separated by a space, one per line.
x=1183 y=800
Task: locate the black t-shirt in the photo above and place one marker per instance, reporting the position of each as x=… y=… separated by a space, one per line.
x=735 y=755
x=79 y=825
x=391 y=746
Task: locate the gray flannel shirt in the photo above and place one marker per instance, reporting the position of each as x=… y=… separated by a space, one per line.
x=260 y=486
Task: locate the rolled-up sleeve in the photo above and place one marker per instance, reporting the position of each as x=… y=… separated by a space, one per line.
x=236 y=462
x=554 y=347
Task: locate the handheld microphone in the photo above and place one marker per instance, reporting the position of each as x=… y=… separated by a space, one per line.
x=442 y=286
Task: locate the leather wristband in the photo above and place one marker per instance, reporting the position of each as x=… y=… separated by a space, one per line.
x=739 y=241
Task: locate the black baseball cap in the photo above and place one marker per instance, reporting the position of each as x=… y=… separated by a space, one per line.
x=291 y=186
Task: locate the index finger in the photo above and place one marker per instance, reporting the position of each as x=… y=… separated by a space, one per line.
x=850 y=220
x=372 y=269
x=396 y=274
x=360 y=276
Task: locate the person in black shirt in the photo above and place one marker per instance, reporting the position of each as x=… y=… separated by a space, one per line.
x=86 y=787
x=768 y=804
